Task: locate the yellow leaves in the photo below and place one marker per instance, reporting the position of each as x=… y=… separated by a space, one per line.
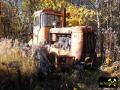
x=80 y=16
x=108 y=60
x=55 y=5
x=108 y=70
x=81 y=21
x=61 y=4
x=72 y=22
x=72 y=10
x=81 y=9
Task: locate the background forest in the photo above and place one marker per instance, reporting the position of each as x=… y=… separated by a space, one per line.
x=18 y=23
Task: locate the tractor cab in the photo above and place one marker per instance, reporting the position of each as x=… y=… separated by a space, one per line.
x=46 y=18
x=43 y=21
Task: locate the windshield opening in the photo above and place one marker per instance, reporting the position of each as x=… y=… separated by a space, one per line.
x=48 y=19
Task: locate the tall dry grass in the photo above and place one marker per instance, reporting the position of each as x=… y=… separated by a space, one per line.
x=11 y=52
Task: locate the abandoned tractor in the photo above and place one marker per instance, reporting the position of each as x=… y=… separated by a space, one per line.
x=64 y=45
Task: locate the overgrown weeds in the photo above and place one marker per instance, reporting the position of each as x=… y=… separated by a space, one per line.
x=11 y=55
x=10 y=52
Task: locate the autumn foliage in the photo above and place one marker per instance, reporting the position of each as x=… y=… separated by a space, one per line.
x=78 y=15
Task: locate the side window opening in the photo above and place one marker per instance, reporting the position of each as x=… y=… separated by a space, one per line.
x=37 y=21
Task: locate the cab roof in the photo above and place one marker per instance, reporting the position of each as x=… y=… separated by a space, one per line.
x=48 y=10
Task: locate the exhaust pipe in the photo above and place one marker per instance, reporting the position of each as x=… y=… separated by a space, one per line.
x=64 y=17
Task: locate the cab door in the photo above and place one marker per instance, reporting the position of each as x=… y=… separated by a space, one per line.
x=36 y=28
